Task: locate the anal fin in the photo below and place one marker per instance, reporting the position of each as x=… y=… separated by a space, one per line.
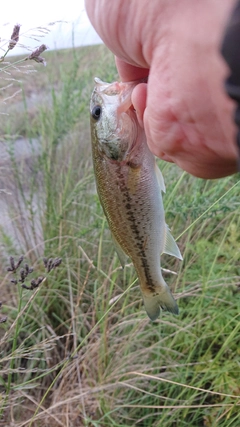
x=170 y=246
x=121 y=254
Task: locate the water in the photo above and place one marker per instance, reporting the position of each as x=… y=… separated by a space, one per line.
x=22 y=149
x=20 y=225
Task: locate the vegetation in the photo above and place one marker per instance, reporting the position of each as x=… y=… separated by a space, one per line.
x=78 y=349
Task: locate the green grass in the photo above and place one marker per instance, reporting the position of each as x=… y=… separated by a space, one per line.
x=80 y=350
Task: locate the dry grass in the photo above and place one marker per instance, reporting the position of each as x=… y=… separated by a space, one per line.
x=79 y=350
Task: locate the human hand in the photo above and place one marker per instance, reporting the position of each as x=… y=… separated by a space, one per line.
x=184 y=109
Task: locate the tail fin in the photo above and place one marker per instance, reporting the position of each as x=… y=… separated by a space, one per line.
x=163 y=299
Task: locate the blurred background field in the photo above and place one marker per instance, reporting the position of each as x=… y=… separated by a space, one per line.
x=80 y=350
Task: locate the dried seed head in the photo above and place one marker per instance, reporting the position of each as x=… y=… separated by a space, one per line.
x=39 y=280
x=29 y=288
x=40 y=60
x=33 y=283
x=35 y=55
x=57 y=262
x=49 y=265
x=22 y=275
x=14 y=267
x=28 y=270
x=12 y=263
x=14 y=37
x=2 y=319
x=20 y=260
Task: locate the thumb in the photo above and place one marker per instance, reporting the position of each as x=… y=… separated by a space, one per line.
x=145 y=100
x=160 y=122
x=139 y=101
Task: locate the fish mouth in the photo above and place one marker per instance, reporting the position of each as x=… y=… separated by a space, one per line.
x=121 y=89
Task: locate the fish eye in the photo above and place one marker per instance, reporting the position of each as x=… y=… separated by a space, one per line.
x=96 y=112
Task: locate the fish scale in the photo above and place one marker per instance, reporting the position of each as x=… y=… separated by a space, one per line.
x=129 y=186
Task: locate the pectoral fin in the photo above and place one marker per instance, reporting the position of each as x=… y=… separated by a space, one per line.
x=170 y=246
x=121 y=254
x=160 y=178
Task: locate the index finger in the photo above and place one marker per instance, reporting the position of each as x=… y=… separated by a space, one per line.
x=129 y=72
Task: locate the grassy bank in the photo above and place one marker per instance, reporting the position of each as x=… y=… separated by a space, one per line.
x=79 y=350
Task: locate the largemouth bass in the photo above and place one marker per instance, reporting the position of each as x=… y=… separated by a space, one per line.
x=129 y=185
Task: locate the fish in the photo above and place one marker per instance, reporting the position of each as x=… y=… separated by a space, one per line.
x=130 y=185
